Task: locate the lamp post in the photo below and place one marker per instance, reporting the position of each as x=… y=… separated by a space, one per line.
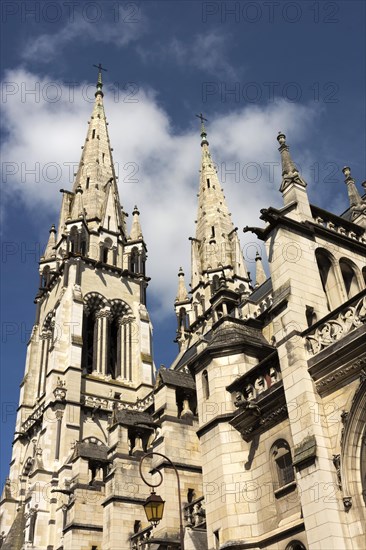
x=154 y=505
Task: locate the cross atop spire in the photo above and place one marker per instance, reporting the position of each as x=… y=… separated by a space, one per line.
x=203 y=129
x=99 y=82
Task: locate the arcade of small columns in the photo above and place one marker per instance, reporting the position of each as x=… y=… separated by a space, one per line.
x=113 y=329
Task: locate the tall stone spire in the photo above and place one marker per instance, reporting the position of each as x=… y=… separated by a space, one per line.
x=216 y=242
x=95 y=177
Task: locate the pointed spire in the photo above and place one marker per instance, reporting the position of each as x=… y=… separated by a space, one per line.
x=182 y=294
x=100 y=81
x=216 y=244
x=50 y=250
x=260 y=275
x=290 y=173
x=95 y=173
x=203 y=129
x=136 y=231
x=353 y=194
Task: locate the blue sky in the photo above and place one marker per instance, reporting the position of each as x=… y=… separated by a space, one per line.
x=253 y=68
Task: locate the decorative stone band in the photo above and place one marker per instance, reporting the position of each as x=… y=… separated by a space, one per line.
x=328 y=224
x=332 y=330
x=112 y=404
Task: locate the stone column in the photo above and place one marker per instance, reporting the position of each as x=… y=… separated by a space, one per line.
x=120 y=348
x=45 y=346
x=102 y=318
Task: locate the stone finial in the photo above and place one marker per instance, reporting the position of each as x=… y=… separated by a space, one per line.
x=281 y=138
x=136 y=231
x=50 y=250
x=290 y=174
x=353 y=194
x=260 y=273
x=182 y=294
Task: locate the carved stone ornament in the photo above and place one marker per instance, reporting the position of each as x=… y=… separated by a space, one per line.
x=60 y=391
x=347 y=320
x=347 y=503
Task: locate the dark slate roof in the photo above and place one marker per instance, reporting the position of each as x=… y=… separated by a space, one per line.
x=234 y=333
x=259 y=293
x=131 y=418
x=15 y=538
x=88 y=450
x=176 y=378
x=197 y=538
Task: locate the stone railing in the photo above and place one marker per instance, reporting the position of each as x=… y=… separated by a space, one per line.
x=255 y=383
x=333 y=329
x=328 y=224
x=32 y=418
x=140 y=540
x=111 y=404
x=195 y=513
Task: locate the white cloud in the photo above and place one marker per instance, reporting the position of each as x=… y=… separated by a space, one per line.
x=47 y=46
x=166 y=183
x=206 y=52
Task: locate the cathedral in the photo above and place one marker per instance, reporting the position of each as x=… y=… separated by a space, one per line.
x=255 y=433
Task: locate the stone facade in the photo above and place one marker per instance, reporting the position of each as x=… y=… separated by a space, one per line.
x=262 y=412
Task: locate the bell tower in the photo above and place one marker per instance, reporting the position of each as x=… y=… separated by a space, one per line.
x=89 y=355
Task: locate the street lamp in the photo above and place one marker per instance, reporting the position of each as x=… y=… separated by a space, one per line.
x=154 y=508
x=154 y=504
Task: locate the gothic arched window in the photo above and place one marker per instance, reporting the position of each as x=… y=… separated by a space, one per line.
x=83 y=243
x=183 y=319
x=106 y=251
x=134 y=260
x=349 y=274
x=328 y=276
x=88 y=341
x=112 y=348
x=74 y=240
x=282 y=463
x=205 y=385
x=215 y=283
x=45 y=279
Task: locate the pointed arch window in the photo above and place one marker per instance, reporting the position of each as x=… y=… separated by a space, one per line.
x=45 y=277
x=215 y=284
x=205 y=385
x=74 y=240
x=282 y=463
x=134 y=260
x=350 y=279
x=183 y=319
x=93 y=134
x=89 y=340
x=106 y=251
x=329 y=278
x=208 y=183
x=112 y=367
